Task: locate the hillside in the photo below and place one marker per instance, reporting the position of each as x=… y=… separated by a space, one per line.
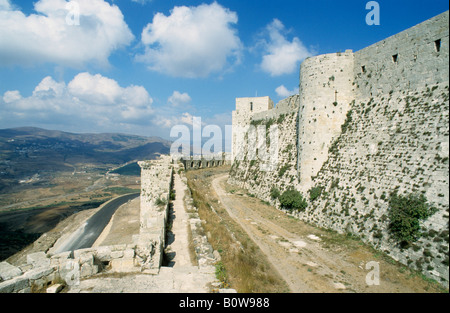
x=27 y=152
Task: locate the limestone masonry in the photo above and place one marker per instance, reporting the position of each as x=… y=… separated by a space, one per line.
x=365 y=124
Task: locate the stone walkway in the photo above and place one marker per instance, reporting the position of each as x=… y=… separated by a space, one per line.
x=179 y=276
x=178 y=243
x=186 y=279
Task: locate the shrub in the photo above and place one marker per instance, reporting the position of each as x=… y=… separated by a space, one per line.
x=315 y=193
x=283 y=170
x=405 y=214
x=292 y=200
x=347 y=122
x=161 y=202
x=274 y=193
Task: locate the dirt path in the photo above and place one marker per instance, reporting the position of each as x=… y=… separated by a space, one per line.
x=178 y=242
x=310 y=259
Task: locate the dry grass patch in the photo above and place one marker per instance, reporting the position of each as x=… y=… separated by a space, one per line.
x=243 y=266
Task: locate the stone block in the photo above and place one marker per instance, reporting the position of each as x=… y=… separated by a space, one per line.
x=119 y=247
x=38 y=259
x=14 y=285
x=123 y=265
x=8 y=271
x=88 y=270
x=128 y=253
x=87 y=258
x=62 y=255
x=116 y=254
x=103 y=253
x=25 y=267
x=39 y=272
x=78 y=253
x=55 y=288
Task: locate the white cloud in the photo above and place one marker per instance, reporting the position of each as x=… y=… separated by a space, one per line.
x=142 y=1
x=281 y=55
x=5 y=5
x=92 y=100
x=49 y=87
x=191 y=41
x=283 y=92
x=47 y=37
x=11 y=96
x=95 y=89
x=178 y=98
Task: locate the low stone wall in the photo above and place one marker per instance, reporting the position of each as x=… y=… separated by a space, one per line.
x=156 y=185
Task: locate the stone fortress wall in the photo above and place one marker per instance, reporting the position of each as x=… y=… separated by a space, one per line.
x=364 y=125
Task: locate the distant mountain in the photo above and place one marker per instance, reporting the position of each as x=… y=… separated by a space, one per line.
x=28 y=150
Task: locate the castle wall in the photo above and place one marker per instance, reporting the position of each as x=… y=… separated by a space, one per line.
x=405 y=61
x=395 y=140
x=385 y=130
x=326 y=92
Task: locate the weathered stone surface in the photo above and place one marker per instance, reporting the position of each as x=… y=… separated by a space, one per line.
x=8 y=271
x=14 y=285
x=55 y=288
x=39 y=272
x=103 y=253
x=38 y=259
x=124 y=265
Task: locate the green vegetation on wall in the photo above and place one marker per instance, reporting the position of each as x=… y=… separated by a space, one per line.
x=405 y=214
x=292 y=200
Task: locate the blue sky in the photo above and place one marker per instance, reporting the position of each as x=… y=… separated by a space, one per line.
x=141 y=67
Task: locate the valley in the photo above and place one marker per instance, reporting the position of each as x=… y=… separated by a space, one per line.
x=46 y=176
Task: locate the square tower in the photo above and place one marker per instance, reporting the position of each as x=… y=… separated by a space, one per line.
x=245 y=108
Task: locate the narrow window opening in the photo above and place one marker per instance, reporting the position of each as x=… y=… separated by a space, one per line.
x=363 y=68
x=251 y=106
x=437 y=45
x=395 y=58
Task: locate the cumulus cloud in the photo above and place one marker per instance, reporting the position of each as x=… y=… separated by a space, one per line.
x=166 y=121
x=192 y=41
x=281 y=55
x=283 y=92
x=87 y=99
x=48 y=87
x=62 y=32
x=178 y=98
x=11 y=96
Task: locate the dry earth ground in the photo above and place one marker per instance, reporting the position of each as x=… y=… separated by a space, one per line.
x=309 y=259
